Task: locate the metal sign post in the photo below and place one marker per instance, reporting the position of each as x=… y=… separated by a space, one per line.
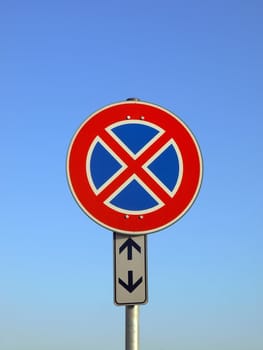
x=132 y=327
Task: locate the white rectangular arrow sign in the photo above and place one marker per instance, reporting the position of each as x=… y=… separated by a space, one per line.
x=130 y=269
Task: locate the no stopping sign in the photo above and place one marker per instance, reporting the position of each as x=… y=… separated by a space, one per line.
x=134 y=167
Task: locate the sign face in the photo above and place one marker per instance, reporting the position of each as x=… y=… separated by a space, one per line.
x=130 y=269
x=134 y=167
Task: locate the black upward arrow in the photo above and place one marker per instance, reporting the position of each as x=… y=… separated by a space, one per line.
x=129 y=244
x=130 y=287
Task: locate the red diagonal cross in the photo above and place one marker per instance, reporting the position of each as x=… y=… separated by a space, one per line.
x=134 y=167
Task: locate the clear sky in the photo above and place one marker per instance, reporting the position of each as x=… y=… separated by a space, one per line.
x=60 y=62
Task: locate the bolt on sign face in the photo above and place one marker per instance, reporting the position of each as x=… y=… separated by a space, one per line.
x=134 y=167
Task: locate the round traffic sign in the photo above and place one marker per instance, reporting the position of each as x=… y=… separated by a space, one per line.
x=134 y=167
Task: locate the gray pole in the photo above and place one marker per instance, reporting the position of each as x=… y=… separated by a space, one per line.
x=132 y=327
x=132 y=312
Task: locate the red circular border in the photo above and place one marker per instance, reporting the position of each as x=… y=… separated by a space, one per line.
x=174 y=208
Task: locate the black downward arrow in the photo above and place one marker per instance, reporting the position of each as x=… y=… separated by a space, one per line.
x=130 y=287
x=129 y=244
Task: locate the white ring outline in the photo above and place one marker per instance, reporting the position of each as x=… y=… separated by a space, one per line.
x=134 y=176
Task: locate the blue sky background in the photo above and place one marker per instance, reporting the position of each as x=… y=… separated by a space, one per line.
x=60 y=62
